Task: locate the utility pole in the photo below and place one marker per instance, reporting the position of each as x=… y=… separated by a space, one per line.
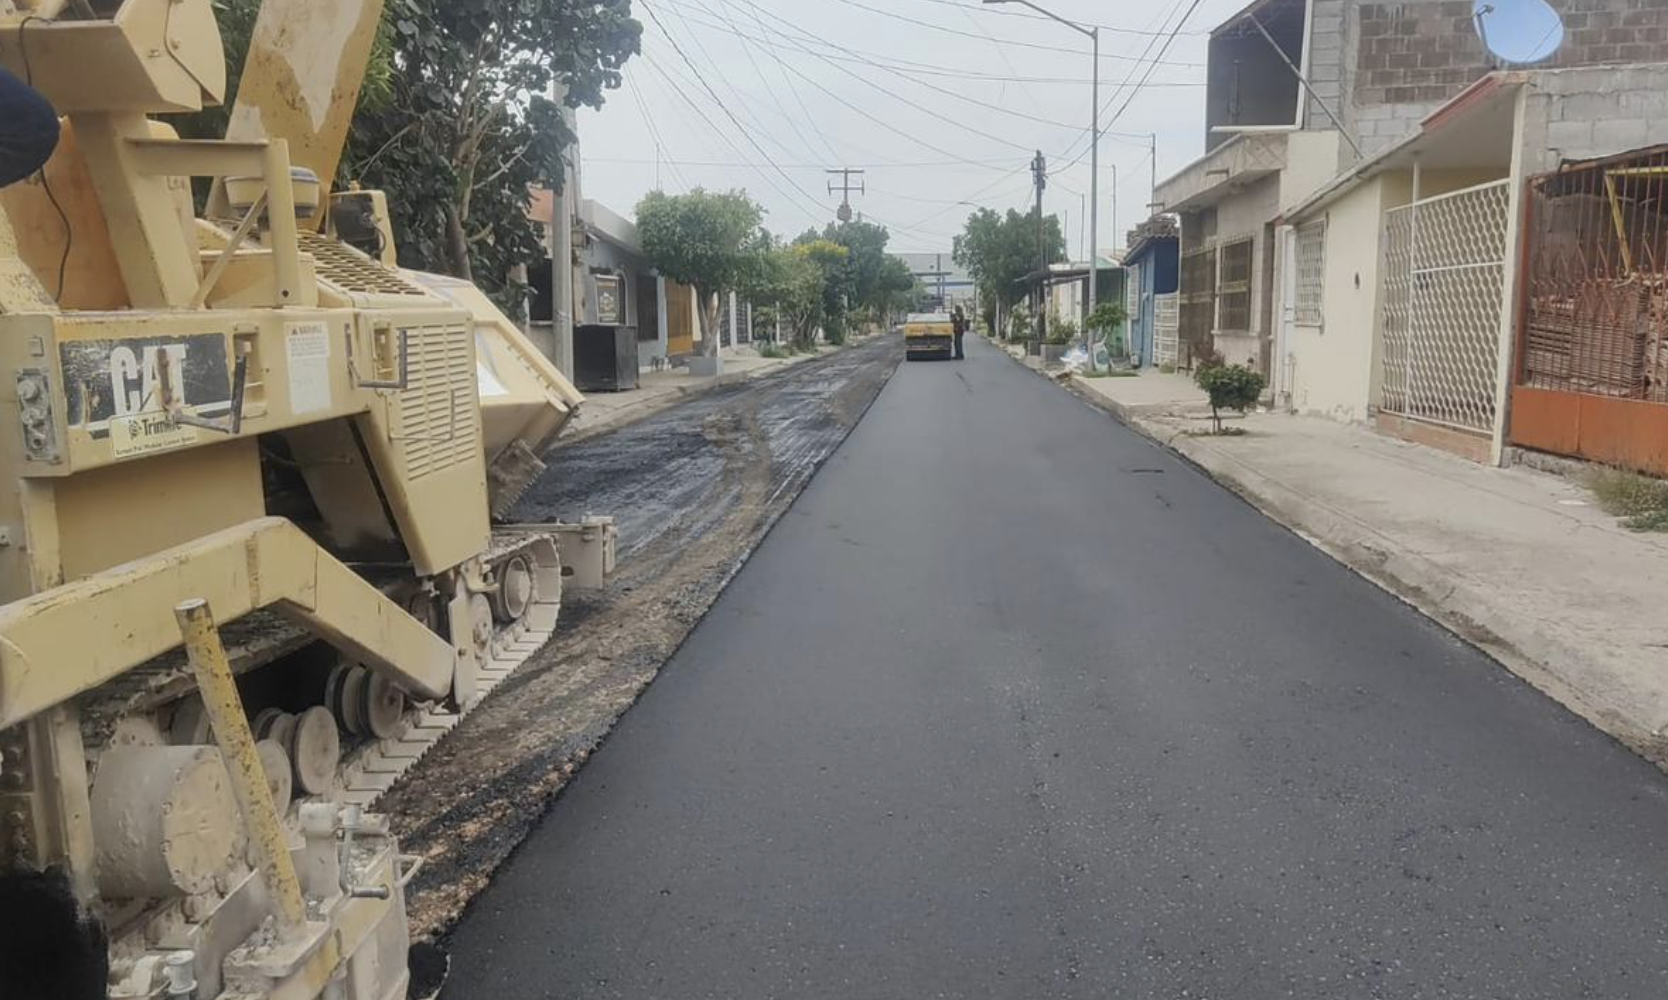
x=1115 y=237
x=1094 y=161
x=563 y=204
x=1152 y=165
x=1039 y=175
x=1094 y=200
x=845 y=188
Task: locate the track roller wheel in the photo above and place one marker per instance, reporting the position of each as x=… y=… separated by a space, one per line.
x=280 y=779
x=352 y=708
x=425 y=608
x=383 y=709
x=333 y=686
x=316 y=751
x=481 y=626
x=515 y=591
x=190 y=726
x=282 y=731
x=261 y=725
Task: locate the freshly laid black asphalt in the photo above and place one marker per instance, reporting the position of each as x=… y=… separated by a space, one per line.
x=1014 y=704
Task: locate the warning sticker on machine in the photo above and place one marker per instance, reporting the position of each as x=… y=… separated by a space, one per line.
x=144 y=433
x=308 y=350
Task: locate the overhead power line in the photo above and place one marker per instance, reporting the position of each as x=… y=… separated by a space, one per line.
x=870 y=164
x=793 y=121
x=741 y=127
x=903 y=133
x=701 y=113
x=922 y=83
x=993 y=137
x=1112 y=120
x=1001 y=12
x=1006 y=41
x=914 y=67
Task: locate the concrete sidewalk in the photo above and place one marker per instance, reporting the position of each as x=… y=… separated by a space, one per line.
x=605 y=411
x=1519 y=562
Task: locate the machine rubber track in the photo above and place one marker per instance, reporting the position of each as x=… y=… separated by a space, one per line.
x=368 y=766
x=373 y=767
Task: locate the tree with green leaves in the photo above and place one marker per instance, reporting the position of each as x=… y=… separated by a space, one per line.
x=708 y=240
x=454 y=122
x=998 y=251
x=468 y=130
x=1105 y=325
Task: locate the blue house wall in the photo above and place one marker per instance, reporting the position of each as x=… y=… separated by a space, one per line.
x=1159 y=260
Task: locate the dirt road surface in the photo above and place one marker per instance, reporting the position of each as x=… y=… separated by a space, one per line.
x=693 y=490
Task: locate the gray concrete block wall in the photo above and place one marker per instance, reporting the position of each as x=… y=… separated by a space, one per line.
x=1405 y=59
x=1581 y=113
x=1327 y=42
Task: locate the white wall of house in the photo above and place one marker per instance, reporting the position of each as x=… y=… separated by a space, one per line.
x=1333 y=368
x=1333 y=365
x=1312 y=159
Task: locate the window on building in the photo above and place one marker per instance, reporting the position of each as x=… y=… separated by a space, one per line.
x=1311 y=266
x=1233 y=288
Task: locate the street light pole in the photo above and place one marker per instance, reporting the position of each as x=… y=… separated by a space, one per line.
x=1094 y=165
x=1094 y=201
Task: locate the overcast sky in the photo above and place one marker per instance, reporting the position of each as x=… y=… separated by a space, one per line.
x=939 y=101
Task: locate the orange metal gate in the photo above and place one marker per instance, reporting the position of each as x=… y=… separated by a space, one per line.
x=1592 y=347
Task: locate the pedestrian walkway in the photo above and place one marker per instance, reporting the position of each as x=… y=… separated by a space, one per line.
x=1518 y=561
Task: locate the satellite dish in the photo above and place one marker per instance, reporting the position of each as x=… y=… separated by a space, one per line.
x=1518 y=31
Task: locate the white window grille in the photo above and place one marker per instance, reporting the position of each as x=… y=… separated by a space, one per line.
x=1311 y=267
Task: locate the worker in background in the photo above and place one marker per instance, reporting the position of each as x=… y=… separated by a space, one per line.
x=958 y=326
x=28 y=129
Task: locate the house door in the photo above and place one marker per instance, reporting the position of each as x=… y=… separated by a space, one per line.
x=1197 y=320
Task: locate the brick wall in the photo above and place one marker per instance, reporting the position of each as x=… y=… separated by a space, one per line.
x=1411 y=57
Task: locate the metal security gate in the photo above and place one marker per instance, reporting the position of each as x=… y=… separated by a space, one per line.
x=1592 y=348
x=1197 y=304
x=1166 y=329
x=1444 y=269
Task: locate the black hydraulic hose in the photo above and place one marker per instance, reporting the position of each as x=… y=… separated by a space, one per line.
x=28 y=129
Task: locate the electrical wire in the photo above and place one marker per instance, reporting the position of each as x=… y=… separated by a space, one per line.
x=773 y=163
x=1162 y=20
x=63 y=217
x=968 y=34
x=722 y=106
x=793 y=91
x=942 y=90
x=1109 y=28
x=818 y=165
x=654 y=133
x=993 y=137
x=915 y=67
x=724 y=136
x=770 y=92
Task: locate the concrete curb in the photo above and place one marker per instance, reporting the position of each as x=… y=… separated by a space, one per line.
x=1471 y=612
